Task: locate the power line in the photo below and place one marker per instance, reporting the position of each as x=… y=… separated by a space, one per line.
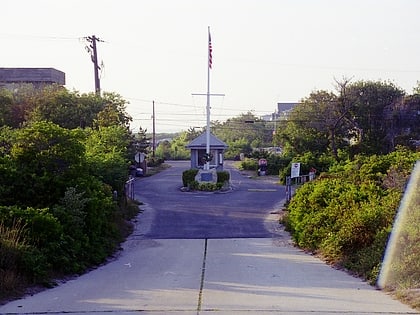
x=39 y=37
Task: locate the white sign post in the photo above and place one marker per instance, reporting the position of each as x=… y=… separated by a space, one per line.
x=295 y=171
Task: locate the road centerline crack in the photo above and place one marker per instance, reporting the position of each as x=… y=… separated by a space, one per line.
x=203 y=274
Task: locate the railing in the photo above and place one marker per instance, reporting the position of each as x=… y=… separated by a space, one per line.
x=129 y=189
x=300 y=180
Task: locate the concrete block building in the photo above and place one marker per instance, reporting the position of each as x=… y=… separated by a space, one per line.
x=38 y=77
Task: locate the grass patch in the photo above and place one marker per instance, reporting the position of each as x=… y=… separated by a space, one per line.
x=12 y=244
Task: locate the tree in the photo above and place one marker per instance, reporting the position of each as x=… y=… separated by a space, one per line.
x=20 y=97
x=142 y=141
x=296 y=139
x=178 y=149
x=163 y=150
x=46 y=159
x=67 y=109
x=323 y=112
x=407 y=121
x=373 y=105
x=113 y=111
x=106 y=154
x=192 y=134
x=362 y=118
x=57 y=105
x=416 y=89
x=6 y=108
x=243 y=133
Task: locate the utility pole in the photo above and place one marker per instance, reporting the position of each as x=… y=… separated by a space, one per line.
x=94 y=56
x=154 y=131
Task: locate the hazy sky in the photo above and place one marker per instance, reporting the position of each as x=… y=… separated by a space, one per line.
x=264 y=51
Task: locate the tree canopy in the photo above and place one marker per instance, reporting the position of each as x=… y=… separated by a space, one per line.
x=58 y=105
x=361 y=117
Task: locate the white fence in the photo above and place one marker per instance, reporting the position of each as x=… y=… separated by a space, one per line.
x=129 y=189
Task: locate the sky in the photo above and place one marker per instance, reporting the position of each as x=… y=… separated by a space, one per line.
x=264 y=51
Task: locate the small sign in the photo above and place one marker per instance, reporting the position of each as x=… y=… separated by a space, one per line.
x=139 y=157
x=295 y=171
x=206 y=177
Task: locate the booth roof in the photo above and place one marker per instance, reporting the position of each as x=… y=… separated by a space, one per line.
x=201 y=142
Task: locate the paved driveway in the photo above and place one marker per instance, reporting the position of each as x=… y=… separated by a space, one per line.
x=241 y=213
x=200 y=253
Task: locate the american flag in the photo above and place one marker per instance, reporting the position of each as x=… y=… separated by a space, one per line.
x=210 y=52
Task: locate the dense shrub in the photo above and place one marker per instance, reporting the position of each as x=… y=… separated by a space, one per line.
x=58 y=213
x=402 y=269
x=188 y=177
x=277 y=163
x=74 y=234
x=281 y=164
x=321 y=163
x=209 y=186
x=249 y=164
x=188 y=180
x=347 y=214
x=42 y=235
x=13 y=245
x=223 y=176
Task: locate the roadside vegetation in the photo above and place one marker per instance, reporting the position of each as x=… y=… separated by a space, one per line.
x=346 y=215
x=64 y=160
x=362 y=142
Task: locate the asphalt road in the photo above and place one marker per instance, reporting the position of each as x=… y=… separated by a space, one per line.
x=210 y=254
x=240 y=213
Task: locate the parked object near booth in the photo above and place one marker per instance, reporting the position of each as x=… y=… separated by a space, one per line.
x=262 y=167
x=139 y=172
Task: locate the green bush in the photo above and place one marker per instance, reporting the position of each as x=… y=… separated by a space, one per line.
x=346 y=215
x=188 y=177
x=223 y=176
x=65 y=181
x=209 y=186
x=13 y=244
x=276 y=163
x=42 y=235
x=194 y=185
x=188 y=180
x=321 y=163
x=249 y=164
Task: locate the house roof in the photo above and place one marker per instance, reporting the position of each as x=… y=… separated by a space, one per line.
x=32 y=75
x=283 y=107
x=201 y=142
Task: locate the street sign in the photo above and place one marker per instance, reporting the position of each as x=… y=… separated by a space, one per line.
x=295 y=171
x=139 y=157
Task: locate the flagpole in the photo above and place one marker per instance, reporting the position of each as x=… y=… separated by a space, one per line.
x=209 y=62
x=208 y=95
